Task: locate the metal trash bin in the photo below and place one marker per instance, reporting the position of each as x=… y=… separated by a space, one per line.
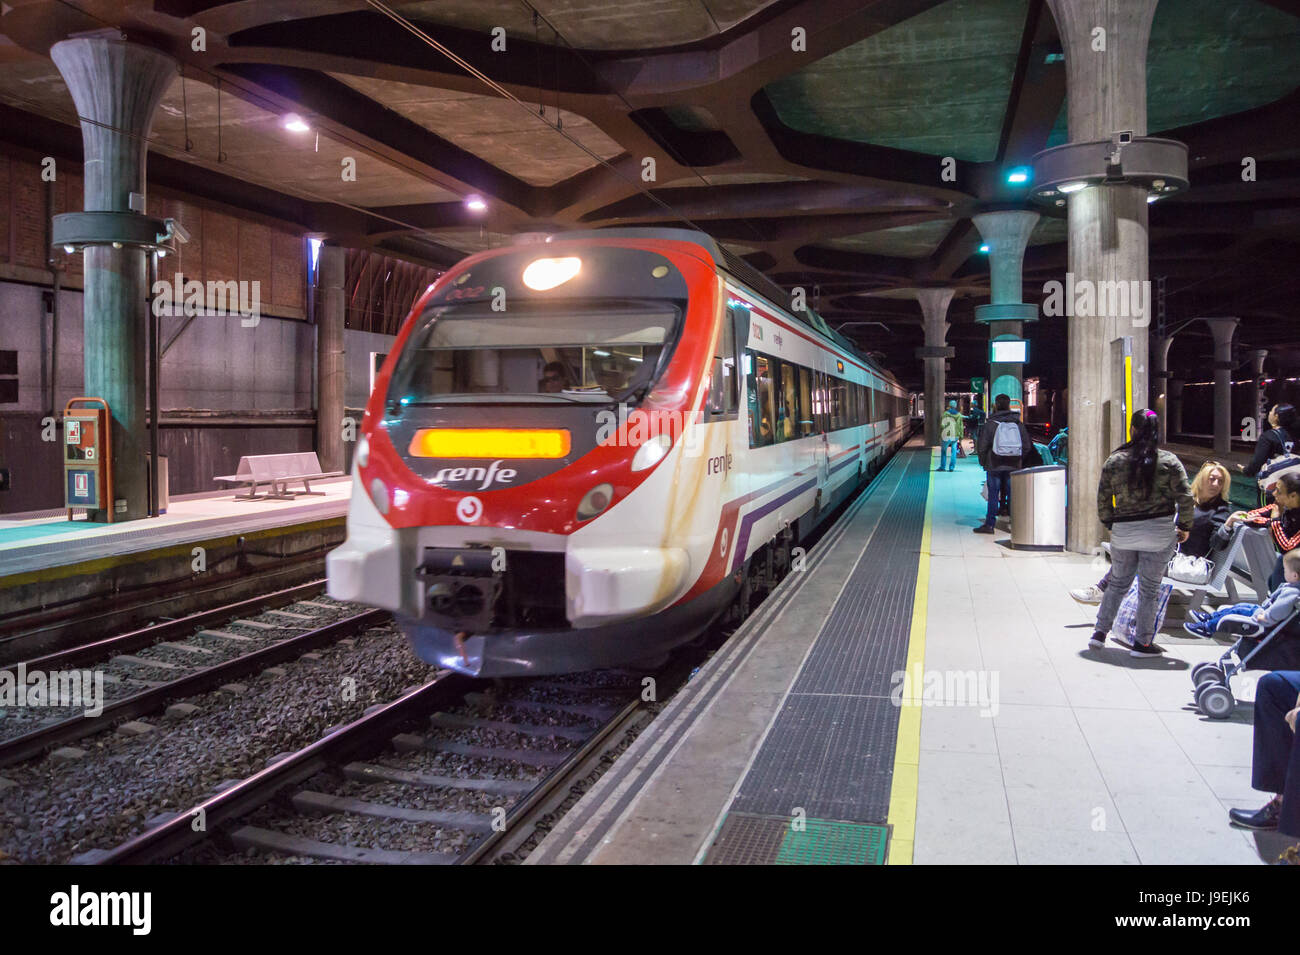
x=1038 y=508
x=162 y=480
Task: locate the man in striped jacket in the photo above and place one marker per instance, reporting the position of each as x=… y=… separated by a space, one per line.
x=1282 y=518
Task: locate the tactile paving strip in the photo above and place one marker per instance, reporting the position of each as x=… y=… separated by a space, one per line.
x=830 y=750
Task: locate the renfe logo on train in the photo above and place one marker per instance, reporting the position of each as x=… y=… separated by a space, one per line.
x=489 y=475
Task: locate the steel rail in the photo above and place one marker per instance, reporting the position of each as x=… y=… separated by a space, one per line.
x=37 y=741
x=344 y=744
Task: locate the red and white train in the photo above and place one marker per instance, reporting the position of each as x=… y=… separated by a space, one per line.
x=580 y=452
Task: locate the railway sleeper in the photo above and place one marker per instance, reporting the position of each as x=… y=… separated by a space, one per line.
x=267 y=840
x=457 y=721
x=310 y=801
x=373 y=772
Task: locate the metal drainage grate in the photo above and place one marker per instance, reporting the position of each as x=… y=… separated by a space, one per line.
x=748 y=839
x=823 y=842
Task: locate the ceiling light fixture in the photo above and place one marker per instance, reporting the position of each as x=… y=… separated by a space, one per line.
x=475 y=204
x=296 y=124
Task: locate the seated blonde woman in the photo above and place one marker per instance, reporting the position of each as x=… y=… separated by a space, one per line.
x=1210 y=492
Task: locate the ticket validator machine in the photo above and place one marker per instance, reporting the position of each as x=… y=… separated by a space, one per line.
x=87 y=455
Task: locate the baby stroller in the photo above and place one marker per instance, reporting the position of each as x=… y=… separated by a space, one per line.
x=1257 y=648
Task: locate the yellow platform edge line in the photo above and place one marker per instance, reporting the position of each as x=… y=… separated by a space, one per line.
x=907 y=747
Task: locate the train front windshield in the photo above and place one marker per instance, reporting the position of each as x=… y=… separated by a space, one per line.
x=577 y=352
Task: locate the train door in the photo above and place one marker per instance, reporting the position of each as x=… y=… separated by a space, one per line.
x=822 y=407
x=738 y=317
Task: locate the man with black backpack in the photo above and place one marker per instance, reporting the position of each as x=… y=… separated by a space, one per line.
x=1003 y=443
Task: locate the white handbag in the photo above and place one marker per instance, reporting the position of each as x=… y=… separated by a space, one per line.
x=1190 y=570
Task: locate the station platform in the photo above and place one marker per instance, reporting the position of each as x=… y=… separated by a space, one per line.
x=53 y=568
x=923 y=694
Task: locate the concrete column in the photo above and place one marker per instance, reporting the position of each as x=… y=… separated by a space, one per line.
x=1223 y=330
x=934 y=311
x=1006 y=234
x=1175 y=406
x=1257 y=389
x=116 y=87
x=1160 y=381
x=1106 y=90
x=330 y=316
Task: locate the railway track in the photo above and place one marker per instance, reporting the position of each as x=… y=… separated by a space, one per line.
x=393 y=768
x=142 y=671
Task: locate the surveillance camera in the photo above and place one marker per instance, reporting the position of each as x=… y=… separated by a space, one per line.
x=178 y=230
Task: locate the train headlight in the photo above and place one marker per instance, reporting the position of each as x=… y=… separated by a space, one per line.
x=379 y=495
x=541 y=275
x=595 y=501
x=651 y=452
x=362 y=457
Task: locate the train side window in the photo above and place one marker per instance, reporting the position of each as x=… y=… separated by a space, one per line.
x=762 y=403
x=788 y=403
x=807 y=424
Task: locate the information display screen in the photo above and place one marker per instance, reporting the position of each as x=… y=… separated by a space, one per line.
x=1009 y=350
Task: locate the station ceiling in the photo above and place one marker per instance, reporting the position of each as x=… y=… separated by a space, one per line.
x=820 y=166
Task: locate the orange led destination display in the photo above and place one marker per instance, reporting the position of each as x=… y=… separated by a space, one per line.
x=489 y=443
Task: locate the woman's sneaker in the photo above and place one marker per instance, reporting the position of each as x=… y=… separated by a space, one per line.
x=1097 y=640
x=1265 y=817
x=1138 y=649
x=1091 y=594
x=1144 y=650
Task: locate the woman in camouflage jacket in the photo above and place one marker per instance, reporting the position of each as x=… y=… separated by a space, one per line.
x=1145 y=501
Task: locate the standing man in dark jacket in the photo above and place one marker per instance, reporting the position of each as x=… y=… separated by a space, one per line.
x=1003 y=443
x=975 y=420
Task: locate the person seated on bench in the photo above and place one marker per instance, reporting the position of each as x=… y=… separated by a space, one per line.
x=1279 y=605
x=1275 y=765
x=1282 y=518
